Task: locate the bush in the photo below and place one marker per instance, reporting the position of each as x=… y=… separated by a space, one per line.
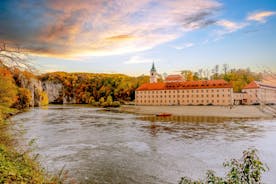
x=44 y=98
x=247 y=170
x=23 y=98
x=116 y=104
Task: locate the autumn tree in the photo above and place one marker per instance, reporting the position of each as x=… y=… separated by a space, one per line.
x=8 y=90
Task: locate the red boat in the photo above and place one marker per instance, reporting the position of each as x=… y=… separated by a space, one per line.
x=163 y=114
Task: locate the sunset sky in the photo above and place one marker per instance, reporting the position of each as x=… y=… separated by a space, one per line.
x=125 y=36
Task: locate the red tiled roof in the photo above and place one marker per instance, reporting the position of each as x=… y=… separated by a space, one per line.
x=251 y=85
x=152 y=86
x=185 y=85
x=174 y=78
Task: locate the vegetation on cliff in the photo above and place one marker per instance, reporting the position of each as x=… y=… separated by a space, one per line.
x=91 y=87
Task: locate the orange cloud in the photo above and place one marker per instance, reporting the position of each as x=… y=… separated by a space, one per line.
x=120 y=38
x=260 y=16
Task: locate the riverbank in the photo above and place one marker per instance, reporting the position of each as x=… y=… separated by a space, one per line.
x=17 y=167
x=214 y=111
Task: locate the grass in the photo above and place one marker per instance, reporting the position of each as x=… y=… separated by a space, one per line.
x=18 y=167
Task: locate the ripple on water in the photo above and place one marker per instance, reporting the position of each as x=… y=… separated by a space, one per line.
x=107 y=147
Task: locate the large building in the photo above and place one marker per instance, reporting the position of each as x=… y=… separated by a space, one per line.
x=259 y=93
x=176 y=91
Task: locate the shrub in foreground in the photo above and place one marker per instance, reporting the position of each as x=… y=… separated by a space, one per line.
x=247 y=170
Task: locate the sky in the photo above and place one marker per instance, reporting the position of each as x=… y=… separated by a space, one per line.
x=125 y=36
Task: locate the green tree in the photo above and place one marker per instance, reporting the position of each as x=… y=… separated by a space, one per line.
x=247 y=170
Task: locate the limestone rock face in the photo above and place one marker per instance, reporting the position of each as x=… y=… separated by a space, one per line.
x=33 y=85
x=54 y=91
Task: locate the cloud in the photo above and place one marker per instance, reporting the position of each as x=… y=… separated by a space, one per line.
x=260 y=16
x=230 y=26
x=184 y=46
x=95 y=27
x=138 y=60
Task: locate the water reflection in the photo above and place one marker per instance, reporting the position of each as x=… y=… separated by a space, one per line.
x=194 y=119
x=190 y=127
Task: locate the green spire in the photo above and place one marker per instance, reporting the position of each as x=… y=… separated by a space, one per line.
x=153 y=68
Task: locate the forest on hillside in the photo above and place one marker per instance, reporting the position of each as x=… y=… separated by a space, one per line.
x=96 y=87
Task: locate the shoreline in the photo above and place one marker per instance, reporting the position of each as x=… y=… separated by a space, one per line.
x=18 y=165
x=206 y=111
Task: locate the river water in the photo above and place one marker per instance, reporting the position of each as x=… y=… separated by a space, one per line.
x=97 y=146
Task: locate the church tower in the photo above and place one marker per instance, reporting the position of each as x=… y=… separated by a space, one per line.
x=153 y=74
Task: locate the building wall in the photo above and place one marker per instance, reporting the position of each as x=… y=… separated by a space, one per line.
x=239 y=98
x=214 y=96
x=251 y=96
x=267 y=95
x=262 y=95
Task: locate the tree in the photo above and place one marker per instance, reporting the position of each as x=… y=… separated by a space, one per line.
x=8 y=93
x=247 y=170
x=225 y=68
x=12 y=56
x=187 y=74
x=109 y=100
x=24 y=98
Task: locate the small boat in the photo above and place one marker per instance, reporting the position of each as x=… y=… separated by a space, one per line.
x=163 y=114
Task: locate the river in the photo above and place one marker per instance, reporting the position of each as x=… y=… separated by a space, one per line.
x=97 y=146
